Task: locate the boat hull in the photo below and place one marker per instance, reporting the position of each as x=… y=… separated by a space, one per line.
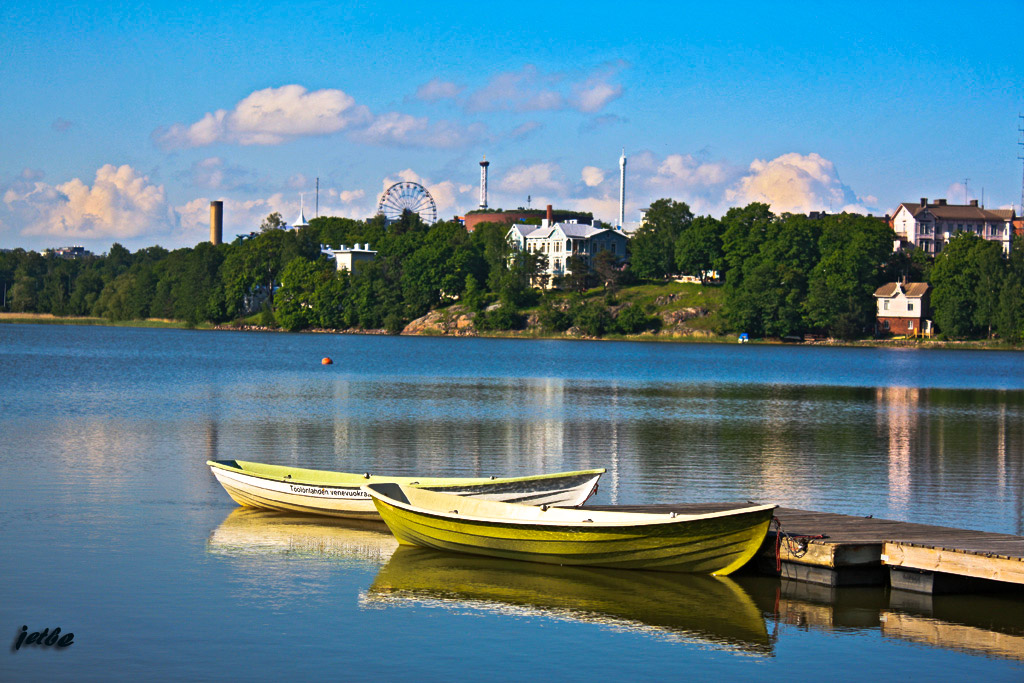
x=719 y=543
x=339 y=494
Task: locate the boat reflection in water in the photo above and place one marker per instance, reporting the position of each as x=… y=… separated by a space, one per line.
x=257 y=534
x=986 y=625
x=727 y=613
x=692 y=608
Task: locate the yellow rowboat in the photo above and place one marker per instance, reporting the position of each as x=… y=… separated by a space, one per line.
x=694 y=608
x=338 y=494
x=714 y=543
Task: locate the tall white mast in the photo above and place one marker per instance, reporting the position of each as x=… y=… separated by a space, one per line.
x=483 y=182
x=622 y=189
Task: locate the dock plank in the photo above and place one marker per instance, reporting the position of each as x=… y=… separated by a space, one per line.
x=848 y=542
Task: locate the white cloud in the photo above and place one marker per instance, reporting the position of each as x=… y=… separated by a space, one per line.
x=959 y=193
x=535 y=178
x=213 y=173
x=602 y=121
x=593 y=96
x=530 y=89
x=404 y=130
x=525 y=90
x=436 y=89
x=347 y=196
x=793 y=183
x=684 y=170
x=592 y=176
x=121 y=203
x=525 y=129
x=268 y=117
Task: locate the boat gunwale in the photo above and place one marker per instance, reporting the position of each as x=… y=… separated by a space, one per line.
x=636 y=521
x=385 y=478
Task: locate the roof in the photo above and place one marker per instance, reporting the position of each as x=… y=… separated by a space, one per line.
x=580 y=230
x=524 y=229
x=577 y=230
x=959 y=212
x=912 y=290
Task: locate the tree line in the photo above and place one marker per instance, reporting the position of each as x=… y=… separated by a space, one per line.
x=792 y=274
x=782 y=275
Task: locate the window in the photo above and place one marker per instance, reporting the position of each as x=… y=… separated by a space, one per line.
x=885 y=324
x=910 y=324
x=885 y=304
x=910 y=305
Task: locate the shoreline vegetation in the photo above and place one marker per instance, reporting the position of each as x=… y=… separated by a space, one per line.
x=528 y=334
x=778 y=278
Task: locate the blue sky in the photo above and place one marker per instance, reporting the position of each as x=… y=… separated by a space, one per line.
x=121 y=123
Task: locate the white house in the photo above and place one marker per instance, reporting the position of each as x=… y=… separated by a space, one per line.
x=903 y=308
x=346 y=257
x=559 y=242
x=930 y=226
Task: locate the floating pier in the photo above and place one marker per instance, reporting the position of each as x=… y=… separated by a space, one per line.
x=844 y=550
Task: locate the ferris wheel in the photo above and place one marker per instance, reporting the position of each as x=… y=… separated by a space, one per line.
x=407 y=196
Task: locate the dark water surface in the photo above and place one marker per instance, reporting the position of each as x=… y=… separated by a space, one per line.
x=114 y=529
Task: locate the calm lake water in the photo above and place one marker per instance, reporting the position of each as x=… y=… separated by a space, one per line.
x=112 y=527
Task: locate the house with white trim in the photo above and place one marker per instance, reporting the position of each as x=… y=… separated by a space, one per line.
x=558 y=242
x=929 y=226
x=903 y=309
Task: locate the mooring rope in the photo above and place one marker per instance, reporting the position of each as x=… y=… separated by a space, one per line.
x=796 y=545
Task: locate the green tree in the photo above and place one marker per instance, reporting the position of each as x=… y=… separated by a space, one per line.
x=515 y=287
x=251 y=269
x=295 y=301
x=966 y=280
x=579 y=277
x=273 y=221
x=765 y=292
x=330 y=300
x=552 y=315
x=473 y=294
x=1010 y=316
x=634 y=319
x=86 y=290
x=592 y=318
x=652 y=247
x=854 y=250
x=504 y=317
x=608 y=270
x=698 y=249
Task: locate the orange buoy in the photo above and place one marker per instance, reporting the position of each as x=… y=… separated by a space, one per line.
x=326 y=361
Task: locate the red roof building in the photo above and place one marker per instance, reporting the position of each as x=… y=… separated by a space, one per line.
x=903 y=309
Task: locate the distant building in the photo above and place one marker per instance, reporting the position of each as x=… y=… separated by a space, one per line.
x=72 y=252
x=559 y=242
x=930 y=226
x=346 y=257
x=474 y=218
x=903 y=309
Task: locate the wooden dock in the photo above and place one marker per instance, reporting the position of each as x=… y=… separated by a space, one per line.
x=843 y=550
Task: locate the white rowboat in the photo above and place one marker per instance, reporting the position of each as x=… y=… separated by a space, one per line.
x=338 y=494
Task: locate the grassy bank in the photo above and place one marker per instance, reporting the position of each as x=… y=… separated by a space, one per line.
x=48 y=319
x=692 y=313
